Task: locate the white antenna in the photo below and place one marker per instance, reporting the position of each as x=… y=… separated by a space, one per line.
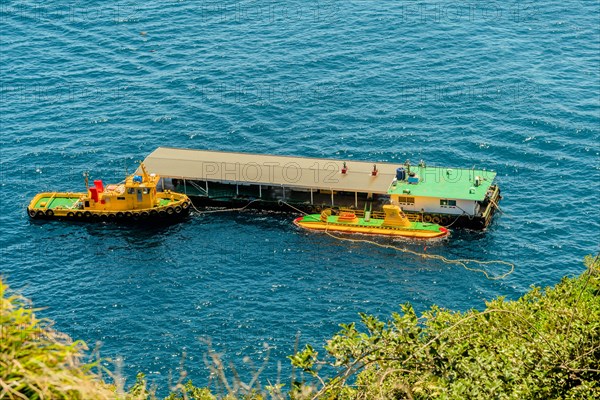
x=86 y=176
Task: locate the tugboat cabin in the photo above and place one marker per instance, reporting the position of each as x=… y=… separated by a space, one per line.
x=138 y=192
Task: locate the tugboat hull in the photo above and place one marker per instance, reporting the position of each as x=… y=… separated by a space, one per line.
x=68 y=206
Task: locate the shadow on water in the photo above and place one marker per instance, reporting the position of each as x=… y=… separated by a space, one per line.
x=101 y=229
x=109 y=242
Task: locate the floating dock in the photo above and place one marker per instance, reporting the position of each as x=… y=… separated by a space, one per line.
x=456 y=197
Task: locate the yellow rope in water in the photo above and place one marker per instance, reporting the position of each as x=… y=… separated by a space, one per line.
x=462 y=262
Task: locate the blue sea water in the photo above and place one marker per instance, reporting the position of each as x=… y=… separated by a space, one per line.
x=96 y=85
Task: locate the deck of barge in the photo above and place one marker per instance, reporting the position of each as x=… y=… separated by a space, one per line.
x=227 y=178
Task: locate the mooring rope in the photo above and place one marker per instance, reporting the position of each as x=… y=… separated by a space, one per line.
x=223 y=210
x=455 y=219
x=292 y=207
x=496 y=205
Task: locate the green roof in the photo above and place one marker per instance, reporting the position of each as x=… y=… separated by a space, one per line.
x=446 y=183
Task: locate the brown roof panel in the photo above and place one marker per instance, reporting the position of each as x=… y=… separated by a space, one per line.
x=264 y=169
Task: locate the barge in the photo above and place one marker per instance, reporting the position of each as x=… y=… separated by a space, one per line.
x=450 y=197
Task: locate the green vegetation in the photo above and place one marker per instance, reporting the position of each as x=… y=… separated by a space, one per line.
x=545 y=345
x=36 y=362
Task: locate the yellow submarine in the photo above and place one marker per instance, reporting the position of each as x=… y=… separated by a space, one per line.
x=394 y=223
x=137 y=199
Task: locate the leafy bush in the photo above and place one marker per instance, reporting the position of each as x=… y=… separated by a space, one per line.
x=542 y=346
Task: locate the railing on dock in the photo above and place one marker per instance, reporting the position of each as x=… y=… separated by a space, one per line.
x=379 y=214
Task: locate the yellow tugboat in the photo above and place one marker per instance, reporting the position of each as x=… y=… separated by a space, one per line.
x=394 y=223
x=135 y=200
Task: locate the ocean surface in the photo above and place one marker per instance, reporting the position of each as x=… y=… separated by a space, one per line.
x=96 y=86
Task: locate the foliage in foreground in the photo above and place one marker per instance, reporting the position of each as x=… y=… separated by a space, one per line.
x=36 y=362
x=544 y=345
